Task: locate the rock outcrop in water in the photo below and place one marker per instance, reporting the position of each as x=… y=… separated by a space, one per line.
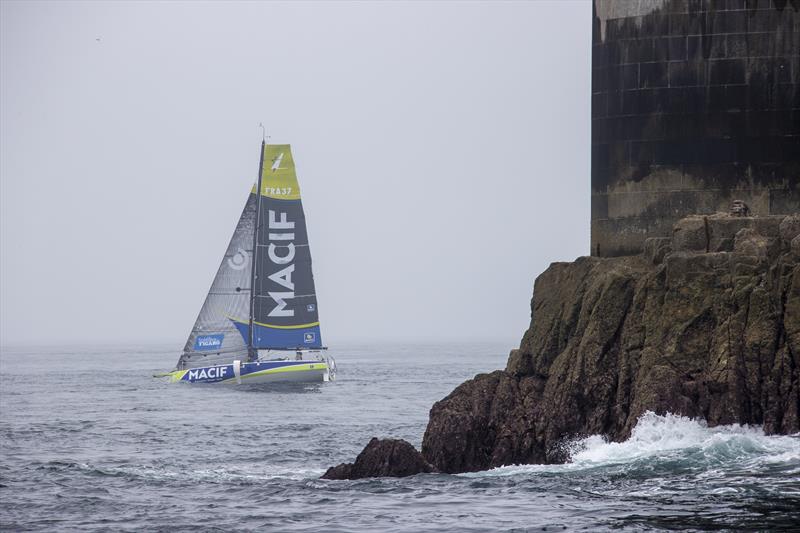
x=382 y=458
x=704 y=324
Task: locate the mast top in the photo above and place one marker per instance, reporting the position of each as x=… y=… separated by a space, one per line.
x=264 y=136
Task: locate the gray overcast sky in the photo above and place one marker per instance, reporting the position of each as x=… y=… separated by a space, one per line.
x=442 y=150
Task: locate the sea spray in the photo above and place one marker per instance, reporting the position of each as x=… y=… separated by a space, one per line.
x=674 y=442
x=657 y=436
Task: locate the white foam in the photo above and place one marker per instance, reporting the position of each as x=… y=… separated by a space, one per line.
x=657 y=439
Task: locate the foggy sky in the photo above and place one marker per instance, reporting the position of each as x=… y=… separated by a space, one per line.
x=442 y=151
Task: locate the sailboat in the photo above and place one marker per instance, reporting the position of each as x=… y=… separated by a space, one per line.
x=259 y=322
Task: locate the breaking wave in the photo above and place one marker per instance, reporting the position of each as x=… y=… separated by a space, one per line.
x=662 y=437
x=673 y=442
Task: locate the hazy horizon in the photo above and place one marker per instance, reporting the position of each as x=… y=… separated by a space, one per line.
x=442 y=150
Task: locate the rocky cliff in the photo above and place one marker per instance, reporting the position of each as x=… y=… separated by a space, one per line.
x=703 y=324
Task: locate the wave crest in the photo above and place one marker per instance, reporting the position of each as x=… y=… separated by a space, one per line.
x=673 y=441
x=657 y=436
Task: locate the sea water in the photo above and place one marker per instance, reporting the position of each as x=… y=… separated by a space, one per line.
x=89 y=440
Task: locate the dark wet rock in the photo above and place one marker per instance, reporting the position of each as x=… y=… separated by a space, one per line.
x=703 y=334
x=340 y=471
x=382 y=458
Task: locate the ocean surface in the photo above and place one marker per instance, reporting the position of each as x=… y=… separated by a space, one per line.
x=90 y=441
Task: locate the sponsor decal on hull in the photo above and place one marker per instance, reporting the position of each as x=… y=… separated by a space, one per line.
x=211 y=373
x=225 y=373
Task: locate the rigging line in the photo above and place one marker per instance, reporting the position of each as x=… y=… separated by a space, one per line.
x=284 y=245
x=232 y=293
x=216 y=352
x=237 y=253
x=261 y=226
x=295 y=297
x=295 y=349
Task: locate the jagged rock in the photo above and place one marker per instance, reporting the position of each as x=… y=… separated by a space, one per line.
x=722 y=230
x=795 y=246
x=382 y=458
x=690 y=234
x=340 y=471
x=751 y=243
x=655 y=248
x=790 y=228
x=518 y=364
x=716 y=233
x=713 y=335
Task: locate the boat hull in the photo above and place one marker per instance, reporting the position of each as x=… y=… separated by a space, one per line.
x=256 y=372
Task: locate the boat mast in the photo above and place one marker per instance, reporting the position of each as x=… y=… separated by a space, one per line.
x=252 y=352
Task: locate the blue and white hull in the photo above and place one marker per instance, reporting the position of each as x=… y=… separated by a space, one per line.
x=238 y=372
